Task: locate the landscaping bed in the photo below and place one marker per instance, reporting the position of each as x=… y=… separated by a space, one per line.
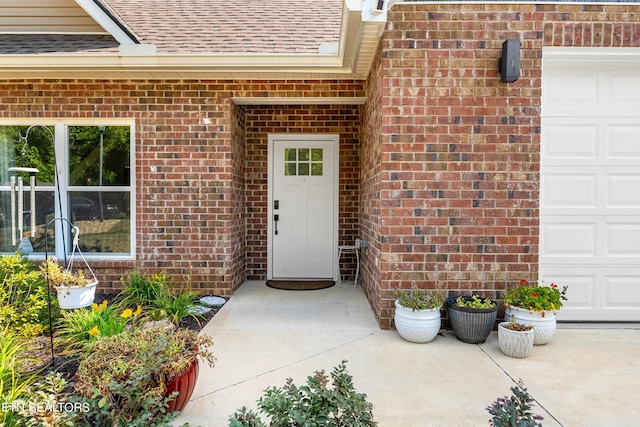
x=118 y=359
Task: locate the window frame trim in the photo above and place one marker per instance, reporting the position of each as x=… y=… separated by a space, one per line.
x=61 y=133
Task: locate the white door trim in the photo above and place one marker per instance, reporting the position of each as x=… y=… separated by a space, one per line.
x=335 y=140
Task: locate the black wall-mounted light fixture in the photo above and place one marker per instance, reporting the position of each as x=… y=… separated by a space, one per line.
x=509 y=64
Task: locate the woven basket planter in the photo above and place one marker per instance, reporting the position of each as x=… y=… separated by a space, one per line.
x=516 y=344
x=471 y=325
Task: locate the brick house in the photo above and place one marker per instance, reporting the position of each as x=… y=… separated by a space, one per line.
x=453 y=177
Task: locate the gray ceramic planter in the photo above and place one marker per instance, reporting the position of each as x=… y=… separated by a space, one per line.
x=471 y=325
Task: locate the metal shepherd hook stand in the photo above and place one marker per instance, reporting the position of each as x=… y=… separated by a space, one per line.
x=17 y=211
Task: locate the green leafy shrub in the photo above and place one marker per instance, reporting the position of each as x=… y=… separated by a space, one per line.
x=23 y=296
x=123 y=376
x=48 y=402
x=514 y=410
x=315 y=404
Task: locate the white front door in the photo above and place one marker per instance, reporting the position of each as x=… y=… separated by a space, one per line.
x=302 y=206
x=590 y=182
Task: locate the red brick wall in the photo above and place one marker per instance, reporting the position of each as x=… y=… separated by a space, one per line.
x=194 y=159
x=459 y=150
x=264 y=120
x=371 y=169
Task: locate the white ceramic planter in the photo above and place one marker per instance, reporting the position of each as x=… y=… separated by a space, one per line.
x=544 y=322
x=420 y=326
x=515 y=343
x=76 y=296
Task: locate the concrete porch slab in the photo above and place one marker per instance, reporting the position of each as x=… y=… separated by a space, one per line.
x=262 y=336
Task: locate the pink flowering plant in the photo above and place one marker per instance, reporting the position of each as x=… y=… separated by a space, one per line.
x=536 y=298
x=418 y=299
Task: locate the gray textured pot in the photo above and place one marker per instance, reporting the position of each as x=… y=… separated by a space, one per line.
x=471 y=325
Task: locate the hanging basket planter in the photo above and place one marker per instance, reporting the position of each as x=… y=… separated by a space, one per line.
x=70 y=297
x=73 y=288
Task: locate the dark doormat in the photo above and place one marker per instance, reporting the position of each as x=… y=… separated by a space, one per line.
x=300 y=285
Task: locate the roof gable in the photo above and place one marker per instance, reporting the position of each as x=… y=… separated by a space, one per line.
x=46 y=16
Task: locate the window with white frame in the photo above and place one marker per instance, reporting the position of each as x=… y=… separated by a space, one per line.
x=84 y=177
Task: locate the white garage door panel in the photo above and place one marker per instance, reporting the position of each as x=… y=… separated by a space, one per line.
x=588 y=300
x=569 y=190
x=624 y=87
x=590 y=185
x=575 y=140
x=568 y=239
x=623 y=142
x=622 y=240
x=623 y=190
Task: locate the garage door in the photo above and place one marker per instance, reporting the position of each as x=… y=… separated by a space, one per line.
x=590 y=181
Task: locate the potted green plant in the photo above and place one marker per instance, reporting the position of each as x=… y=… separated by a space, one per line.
x=472 y=317
x=143 y=372
x=417 y=316
x=74 y=289
x=515 y=339
x=536 y=305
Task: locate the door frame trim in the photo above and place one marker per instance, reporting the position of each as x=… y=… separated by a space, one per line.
x=333 y=138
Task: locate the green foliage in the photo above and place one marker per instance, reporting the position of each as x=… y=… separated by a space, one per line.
x=475 y=301
x=57 y=275
x=314 y=404
x=418 y=299
x=143 y=290
x=514 y=411
x=155 y=294
x=179 y=305
x=48 y=402
x=23 y=296
x=536 y=298
x=13 y=381
x=123 y=376
x=79 y=329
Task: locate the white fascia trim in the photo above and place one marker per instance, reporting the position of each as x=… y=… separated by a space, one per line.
x=170 y=62
x=105 y=21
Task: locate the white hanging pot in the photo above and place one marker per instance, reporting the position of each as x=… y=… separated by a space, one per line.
x=76 y=296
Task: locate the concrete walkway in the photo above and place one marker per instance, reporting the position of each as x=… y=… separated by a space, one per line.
x=262 y=336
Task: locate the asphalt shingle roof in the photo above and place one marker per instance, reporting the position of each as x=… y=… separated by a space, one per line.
x=16 y=44
x=232 y=26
